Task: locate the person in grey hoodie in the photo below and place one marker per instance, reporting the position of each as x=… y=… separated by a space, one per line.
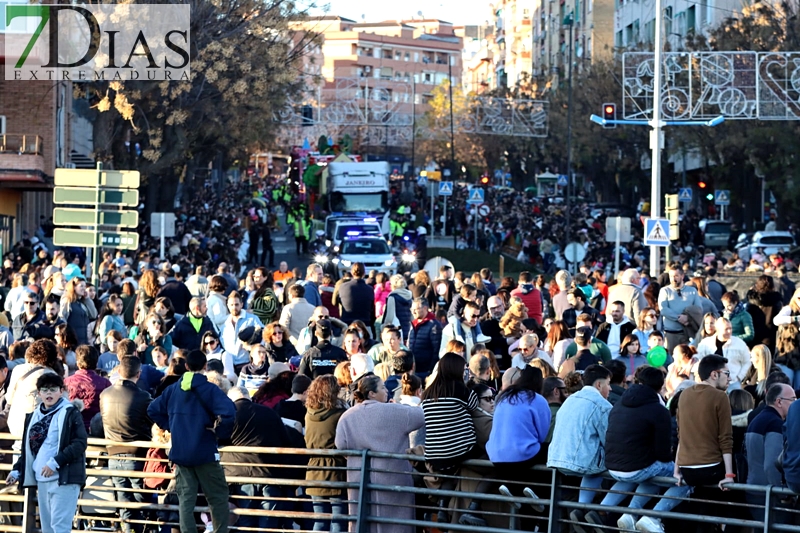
x=398 y=305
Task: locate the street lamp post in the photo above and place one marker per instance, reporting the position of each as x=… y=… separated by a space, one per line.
x=570 y=22
x=452 y=136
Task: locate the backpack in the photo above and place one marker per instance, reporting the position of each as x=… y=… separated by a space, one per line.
x=155 y=466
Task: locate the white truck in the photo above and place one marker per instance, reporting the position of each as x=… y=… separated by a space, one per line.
x=358 y=192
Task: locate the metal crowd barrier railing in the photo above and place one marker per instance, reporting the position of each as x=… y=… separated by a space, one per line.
x=97 y=507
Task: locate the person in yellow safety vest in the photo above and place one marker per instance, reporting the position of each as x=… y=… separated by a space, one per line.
x=396 y=230
x=302 y=233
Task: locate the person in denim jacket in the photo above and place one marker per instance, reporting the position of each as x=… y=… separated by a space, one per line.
x=577 y=448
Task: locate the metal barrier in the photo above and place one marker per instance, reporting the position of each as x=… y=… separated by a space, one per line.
x=374 y=497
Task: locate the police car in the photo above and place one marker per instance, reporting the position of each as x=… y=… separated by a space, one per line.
x=373 y=251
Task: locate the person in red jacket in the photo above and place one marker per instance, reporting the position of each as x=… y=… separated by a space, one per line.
x=530 y=296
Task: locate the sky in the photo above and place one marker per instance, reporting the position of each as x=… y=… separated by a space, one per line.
x=459 y=12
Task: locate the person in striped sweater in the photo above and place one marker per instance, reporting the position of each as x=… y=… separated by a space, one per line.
x=449 y=432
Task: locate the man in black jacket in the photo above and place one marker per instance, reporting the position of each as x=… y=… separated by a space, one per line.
x=356 y=299
x=637 y=451
x=123 y=409
x=616 y=328
x=188 y=332
x=490 y=326
x=29 y=323
x=322 y=358
x=424 y=337
x=259 y=426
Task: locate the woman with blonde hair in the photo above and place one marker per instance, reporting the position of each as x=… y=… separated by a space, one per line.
x=646 y=323
x=276 y=341
x=789 y=314
x=421 y=283
x=755 y=380
x=146 y=296
x=787 y=351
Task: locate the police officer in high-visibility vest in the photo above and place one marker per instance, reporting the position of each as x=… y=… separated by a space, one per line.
x=302 y=233
x=396 y=230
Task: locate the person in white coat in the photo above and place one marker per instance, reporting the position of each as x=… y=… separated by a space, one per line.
x=732 y=348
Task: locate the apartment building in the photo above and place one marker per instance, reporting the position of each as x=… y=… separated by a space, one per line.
x=591 y=32
x=422 y=53
x=478 y=72
x=635 y=21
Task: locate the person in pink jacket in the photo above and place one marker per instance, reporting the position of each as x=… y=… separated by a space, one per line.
x=382 y=290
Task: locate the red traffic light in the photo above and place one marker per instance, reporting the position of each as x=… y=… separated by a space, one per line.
x=610 y=115
x=702 y=184
x=485 y=180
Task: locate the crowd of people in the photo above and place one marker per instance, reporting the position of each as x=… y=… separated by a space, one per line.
x=635 y=378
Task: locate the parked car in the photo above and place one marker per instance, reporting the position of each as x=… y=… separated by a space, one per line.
x=768 y=242
x=715 y=233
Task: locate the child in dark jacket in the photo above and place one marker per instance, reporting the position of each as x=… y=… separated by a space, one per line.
x=53 y=455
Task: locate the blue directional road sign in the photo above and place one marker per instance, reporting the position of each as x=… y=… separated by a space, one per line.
x=562 y=180
x=446 y=188
x=656 y=232
x=722 y=197
x=498 y=174
x=476 y=195
x=685 y=195
x=422 y=181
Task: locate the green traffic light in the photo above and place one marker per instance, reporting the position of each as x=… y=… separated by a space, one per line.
x=709 y=196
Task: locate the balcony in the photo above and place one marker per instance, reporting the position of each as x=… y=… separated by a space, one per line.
x=21 y=159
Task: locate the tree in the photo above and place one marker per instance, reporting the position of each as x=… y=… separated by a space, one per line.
x=245 y=61
x=742 y=149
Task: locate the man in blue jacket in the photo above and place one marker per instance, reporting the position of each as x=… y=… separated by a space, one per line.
x=196 y=413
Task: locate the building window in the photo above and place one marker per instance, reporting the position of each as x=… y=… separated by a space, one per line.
x=691 y=20
x=668 y=20
x=618 y=39
x=416 y=57
x=406 y=57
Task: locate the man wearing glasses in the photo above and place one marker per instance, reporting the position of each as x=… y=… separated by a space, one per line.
x=705 y=450
x=27 y=325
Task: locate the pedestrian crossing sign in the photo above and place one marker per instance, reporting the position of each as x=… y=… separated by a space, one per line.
x=475 y=196
x=562 y=180
x=445 y=188
x=656 y=232
x=722 y=197
x=422 y=181
x=685 y=195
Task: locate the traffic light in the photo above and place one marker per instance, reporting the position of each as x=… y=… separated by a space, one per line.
x=485 y=180
x=610 y=114
x=702 y=184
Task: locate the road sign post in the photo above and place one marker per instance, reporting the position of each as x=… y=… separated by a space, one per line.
x=100 y=189
x=445 y=189
x=618 y=229
x=656 y=232
x=722 y=198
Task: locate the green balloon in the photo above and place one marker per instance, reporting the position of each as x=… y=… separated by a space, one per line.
x=657 y=356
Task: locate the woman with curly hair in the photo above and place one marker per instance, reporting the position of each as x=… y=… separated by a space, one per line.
x=276 y=341
x=324 y=408
x=787 y=351
x=264 y=303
